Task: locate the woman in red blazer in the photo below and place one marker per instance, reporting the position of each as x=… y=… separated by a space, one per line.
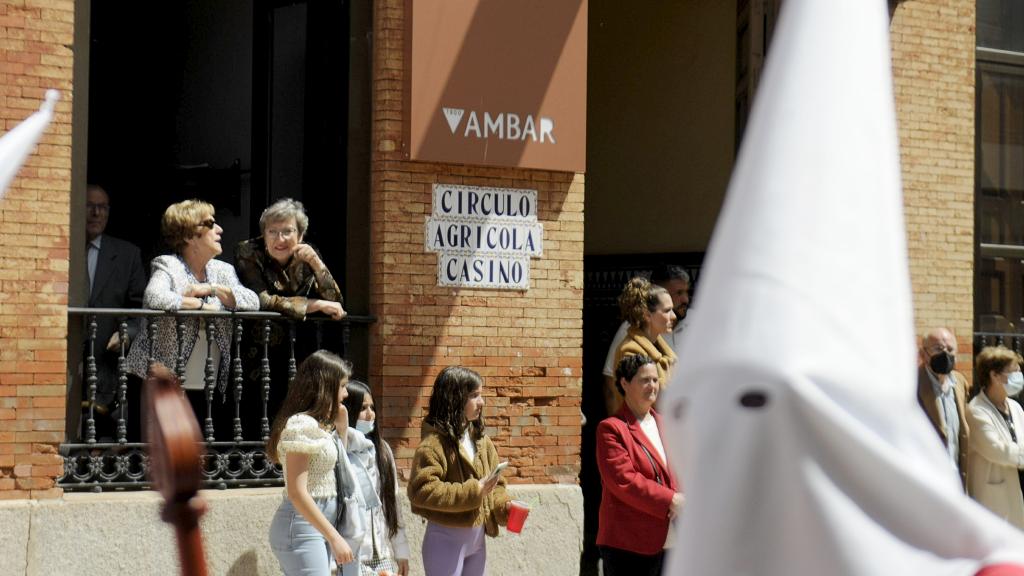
x=639 y=495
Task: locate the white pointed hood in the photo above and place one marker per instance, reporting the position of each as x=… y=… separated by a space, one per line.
x=804 y=301
x=17 y=143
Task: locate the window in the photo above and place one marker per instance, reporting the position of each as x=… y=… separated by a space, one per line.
x=999 y=196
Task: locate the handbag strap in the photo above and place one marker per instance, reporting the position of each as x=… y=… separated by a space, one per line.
x=337 y=481
x=657 y=476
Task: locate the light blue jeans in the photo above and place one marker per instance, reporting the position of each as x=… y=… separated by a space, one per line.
x=299 y=547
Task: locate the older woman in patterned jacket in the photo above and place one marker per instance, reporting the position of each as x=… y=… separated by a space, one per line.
x=287 y=273
x=191 y=279
x=289 y=276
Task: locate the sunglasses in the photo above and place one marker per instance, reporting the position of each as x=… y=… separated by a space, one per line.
x=208 y=223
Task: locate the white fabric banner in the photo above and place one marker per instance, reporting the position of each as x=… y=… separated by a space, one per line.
x=17 y=143
x=793 y=418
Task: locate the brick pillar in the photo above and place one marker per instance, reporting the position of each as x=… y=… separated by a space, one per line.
x=527 y=345
x=933 y=68
x=34 y=221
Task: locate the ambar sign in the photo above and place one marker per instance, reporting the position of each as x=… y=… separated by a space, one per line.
x=503 y=126
x=498 y=83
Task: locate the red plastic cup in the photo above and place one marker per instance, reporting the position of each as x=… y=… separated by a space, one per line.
x=517 y=512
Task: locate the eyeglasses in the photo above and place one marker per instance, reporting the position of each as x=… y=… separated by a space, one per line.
x=283 y=233
x=208 y=223
x=99 y=208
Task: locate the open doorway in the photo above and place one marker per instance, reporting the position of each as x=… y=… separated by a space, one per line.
x=236 y=103
x=668 y=88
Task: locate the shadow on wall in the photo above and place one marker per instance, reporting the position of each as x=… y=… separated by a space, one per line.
x=245 y=565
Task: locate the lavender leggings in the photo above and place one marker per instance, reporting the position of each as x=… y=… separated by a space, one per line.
x=449 y=551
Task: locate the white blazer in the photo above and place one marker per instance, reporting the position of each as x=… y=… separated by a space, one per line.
x=995 y=458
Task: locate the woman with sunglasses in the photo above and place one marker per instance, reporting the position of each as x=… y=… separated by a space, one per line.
x=192 y=279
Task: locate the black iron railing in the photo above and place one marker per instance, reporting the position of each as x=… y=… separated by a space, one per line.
x=1011 y=340
x=119 y=459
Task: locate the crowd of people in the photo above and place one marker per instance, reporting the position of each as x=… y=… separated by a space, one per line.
x=981 y=426
x=341 y=482
x=340 y=512
x=277 y=271
x=340 y=475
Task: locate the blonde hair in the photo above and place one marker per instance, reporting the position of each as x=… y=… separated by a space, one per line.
x=992 y=359
x=639 y=296
x=180 y=221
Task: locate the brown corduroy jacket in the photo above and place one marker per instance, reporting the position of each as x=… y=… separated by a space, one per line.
x=444 y=485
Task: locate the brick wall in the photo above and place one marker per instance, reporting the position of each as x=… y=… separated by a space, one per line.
x=35 y=36
x=527 y=345
x=933 y=66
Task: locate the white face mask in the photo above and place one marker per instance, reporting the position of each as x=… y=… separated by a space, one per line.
x=1014 y=383
x=365 y=426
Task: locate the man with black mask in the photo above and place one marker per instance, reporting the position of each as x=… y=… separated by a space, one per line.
x=941 y=391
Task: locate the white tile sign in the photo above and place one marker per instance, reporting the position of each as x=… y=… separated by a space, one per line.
x=484 y=237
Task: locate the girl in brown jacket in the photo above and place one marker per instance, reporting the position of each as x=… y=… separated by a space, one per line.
x=452 y=484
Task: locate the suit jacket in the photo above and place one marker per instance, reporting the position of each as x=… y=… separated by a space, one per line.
x=995 y=459
x=119 y=282
x=932 y=407
x=634 y=505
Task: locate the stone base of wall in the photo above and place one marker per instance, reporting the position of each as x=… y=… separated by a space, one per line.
x=102 y=534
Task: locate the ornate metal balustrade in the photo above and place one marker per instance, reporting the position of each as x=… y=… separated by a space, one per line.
x=120 y=461
x=1011 y=340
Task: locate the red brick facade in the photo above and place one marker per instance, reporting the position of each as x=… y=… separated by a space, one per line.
x=527 y=345
x=35 y=54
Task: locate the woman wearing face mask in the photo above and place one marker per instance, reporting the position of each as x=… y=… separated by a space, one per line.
x=384 y=545
x=997 y=435
x=648 y=309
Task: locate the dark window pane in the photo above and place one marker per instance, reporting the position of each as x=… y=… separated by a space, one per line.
x=1001 y=24
x=999 y=208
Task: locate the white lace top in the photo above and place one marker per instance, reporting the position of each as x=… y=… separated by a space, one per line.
x=302 y=434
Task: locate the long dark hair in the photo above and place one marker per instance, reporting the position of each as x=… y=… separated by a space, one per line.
x=314 y=391
x=447 y=412
x=357 y=392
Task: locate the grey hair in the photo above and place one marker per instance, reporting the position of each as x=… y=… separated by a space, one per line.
x=284 y=209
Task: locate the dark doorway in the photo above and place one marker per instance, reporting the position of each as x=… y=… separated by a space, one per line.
x=236 y=103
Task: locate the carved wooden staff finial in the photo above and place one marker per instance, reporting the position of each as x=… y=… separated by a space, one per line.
x=175 y=451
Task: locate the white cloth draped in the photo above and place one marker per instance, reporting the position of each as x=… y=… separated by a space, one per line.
x=18 y=142
x=805 y=302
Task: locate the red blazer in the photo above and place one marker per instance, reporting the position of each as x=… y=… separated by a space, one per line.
x=634 y=506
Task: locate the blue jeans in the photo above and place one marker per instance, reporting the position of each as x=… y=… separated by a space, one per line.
x=299 y=547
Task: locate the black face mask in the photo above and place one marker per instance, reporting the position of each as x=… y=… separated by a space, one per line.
x=942 y=363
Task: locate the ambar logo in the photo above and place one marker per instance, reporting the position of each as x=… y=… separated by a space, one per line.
x=504 y=125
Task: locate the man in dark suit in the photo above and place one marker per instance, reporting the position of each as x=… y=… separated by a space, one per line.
x=942 y=392
x=117 y=279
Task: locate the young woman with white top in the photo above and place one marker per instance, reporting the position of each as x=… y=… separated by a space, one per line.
x=303 y=533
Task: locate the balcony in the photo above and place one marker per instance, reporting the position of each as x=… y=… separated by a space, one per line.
x=118 y=460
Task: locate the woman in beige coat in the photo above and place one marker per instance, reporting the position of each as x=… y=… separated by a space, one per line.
x=997 y=435
x=648 y=309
